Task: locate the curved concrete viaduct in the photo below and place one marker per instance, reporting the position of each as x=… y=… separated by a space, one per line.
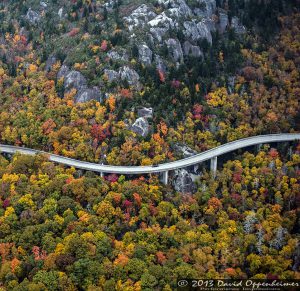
x=211 y=154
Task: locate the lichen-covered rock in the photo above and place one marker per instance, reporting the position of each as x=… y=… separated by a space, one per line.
x=141 y=126
x=145 y=112
x=175 y=50
x=74 y=79
x=32 y=16
x=145 y=54
x=192 y=50
x=183 y=182
x=88 y=94
x=139 y=17
x=130 y=75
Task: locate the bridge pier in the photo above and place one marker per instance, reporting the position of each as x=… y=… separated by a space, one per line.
x=213 y=166
x=165 y=177
x=101 y=174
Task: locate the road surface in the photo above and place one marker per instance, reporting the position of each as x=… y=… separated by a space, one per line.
x=128 y=170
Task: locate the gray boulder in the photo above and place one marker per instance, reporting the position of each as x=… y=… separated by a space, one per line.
x=163 y=21
x=130 y=75
x=63 y=71
x=206 y=8
x=158 y=33
x=175 y=50
x=118 y=55
x=195 y=31
x=74 y=79
x=49 y=63
x=145 y=112
x=139 y=17
x=183 y=182
x=88 y=94
x=237 y=26
x=141 y=126
x=192 y=50
x=223 y=22
x=179 y=8
x=60 y=12
x=160 y=64
x=32 y=16
x=111 y=75
x=184 y=150
x=204 y=31
x=43 y=4
x=145 y=54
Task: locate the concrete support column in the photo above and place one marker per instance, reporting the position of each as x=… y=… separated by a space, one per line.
x=213 y=166
x=165 y=177
x=101 y=174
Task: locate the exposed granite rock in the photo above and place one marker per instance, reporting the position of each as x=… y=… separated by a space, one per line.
x=175 y=50
x=237 y=26
x=178 y=9
x=49 y=63
x=118 y=55
x=206 y=8
x=60 y=12
x=111 y=75
x=163 y=21
x=183 y=182
x=223 y=22
x=192 y=50
x=145 y=54
x=141 y=126
x=63 y=71
x=195 y=31
x=145 y=112
x=88 y=94
x=158 y=33
x=184 y=150
x=74 y=79
x=139 y=17
x=32 y=16
x=43 y=4
x=160 y=64
x=130 y=75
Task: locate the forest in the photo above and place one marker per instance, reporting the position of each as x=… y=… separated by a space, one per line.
x=74 y=81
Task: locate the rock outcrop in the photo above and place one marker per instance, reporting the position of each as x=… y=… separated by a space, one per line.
x=32 y=16
x=74 y=79
x=145 y=112
x=139 y=17
x=141 y=126
x=130 y=75
x=175 y=50
x=145 y=54
x=183 y=182
x=88 y=94
x=191 y=50
x=237 y=26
